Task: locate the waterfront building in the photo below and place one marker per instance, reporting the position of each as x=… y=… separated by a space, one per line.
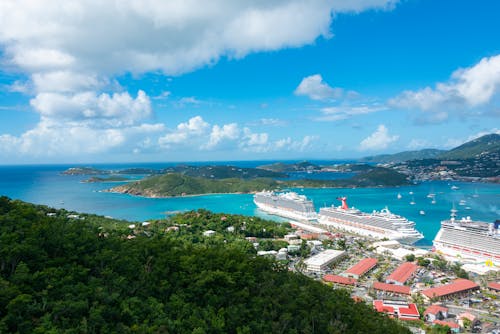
x=392 y=288
x=340 y=280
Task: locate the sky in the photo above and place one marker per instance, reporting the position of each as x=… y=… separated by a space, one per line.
x=191 y=80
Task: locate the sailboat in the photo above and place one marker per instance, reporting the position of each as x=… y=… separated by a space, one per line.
x=399 y=196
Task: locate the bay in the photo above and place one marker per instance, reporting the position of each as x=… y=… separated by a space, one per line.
x=44 y=184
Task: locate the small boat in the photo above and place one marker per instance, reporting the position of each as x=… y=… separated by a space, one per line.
x=462 y=202
x=411 y=193
x=422 y=212
x=431 y=195
x=412 y=202
x=399 y=196
x=467 y=208
x=454 y=188
x=433 y=201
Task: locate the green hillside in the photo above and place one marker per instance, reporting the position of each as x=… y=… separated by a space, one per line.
x=404 y=156
x=62 y=275
x=174 y=184
x=485 y=145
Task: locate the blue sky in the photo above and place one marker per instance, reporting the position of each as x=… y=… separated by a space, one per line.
x=87 y=81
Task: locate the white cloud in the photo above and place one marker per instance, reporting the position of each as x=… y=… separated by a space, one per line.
x=193 y=128
x=119 y=109
x=467 y=89
x=229 y=132
x=172 y=36
x=315 y=88
x=378 y=140
x=344 y=112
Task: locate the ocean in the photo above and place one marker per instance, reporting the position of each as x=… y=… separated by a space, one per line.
x=44 y=184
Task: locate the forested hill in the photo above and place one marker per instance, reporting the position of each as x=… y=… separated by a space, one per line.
x=67 y=275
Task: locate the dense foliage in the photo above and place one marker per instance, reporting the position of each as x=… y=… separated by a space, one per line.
x=68 y=275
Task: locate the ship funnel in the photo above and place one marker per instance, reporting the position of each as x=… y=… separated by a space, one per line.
x=344 y=202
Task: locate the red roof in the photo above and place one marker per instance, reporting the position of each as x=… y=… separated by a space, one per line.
x=362 y=267
x=458 y=285
x=380 y=307
x=446 y=323
x=403 y=272
x=402 y=289
x=435 y=309
x=339 y=279
x=494 y=286
x=411 y=310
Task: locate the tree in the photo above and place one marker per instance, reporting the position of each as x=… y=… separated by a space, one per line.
x=410 y=257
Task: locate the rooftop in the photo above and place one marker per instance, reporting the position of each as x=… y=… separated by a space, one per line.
x=323 y=257
x=362 y=266
x=494 y=286
x=401 y=289
x=458 y=285
x=434 y=309
x=402 y=273
x=446 y=323
x=339 y=279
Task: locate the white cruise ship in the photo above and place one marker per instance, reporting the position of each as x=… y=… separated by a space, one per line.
x=468 y=240
x=288 y=204
x=378 y=224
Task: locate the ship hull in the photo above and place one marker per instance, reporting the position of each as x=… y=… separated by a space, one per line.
x=292 y=214
x=369 y=231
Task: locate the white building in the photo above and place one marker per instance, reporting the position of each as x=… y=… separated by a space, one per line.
x=321 y=261
x=208 y=233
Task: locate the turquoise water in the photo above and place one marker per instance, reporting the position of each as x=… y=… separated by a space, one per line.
x=45 y=185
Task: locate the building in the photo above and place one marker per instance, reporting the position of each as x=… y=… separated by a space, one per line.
x=454 y=327
x=457 y=287
x=402 y=273
x=340 y=280
x=321 y=261
x=209 y=233
x=494 y=287
x=360 y=268
x=435 y=312
x=397 y=309
x=392 y=288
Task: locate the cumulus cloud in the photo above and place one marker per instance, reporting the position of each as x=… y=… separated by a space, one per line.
x=315 y=88
x=378 y=140
x=193 y=128
x=343 y=112
x=417 y=144
x=467 y=88
x=70 y=52
x=220 y=133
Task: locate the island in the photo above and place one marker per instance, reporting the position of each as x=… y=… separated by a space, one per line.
x=176 y=184
x=114 y=178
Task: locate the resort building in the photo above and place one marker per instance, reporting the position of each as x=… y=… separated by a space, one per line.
x=397 y=309
x=321 y=261
x=494 y=287
x=402 y=273
x=459 y=287
x=360 y=268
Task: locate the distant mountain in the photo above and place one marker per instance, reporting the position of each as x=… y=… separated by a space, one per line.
x=482 y=146
x=280 y=167
x=428 y=153
x=485 y=145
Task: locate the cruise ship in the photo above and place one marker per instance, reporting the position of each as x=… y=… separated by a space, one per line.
x=469 y=240
x=287 y=204
x=378 y=224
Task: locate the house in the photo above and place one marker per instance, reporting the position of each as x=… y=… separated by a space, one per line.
x=435 y=312
x=208 y=233
x=494 y=287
